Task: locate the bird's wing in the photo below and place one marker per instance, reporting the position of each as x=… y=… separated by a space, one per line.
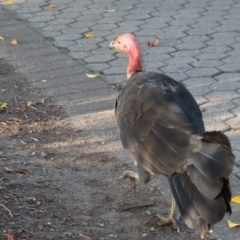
x=156 y=119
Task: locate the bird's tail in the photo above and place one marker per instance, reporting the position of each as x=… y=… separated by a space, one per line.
x=202 y=190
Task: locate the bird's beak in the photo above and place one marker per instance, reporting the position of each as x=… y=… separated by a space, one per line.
x=111 y=46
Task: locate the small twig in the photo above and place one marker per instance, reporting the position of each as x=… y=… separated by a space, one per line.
x=85 y=237
x=10 y=213
x=138 y=206
x=27 y=231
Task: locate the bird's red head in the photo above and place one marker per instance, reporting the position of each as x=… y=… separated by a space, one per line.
x=129 y=44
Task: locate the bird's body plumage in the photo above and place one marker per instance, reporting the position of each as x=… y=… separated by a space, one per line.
x=161 y=125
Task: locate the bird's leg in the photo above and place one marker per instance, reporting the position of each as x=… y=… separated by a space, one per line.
x=133 y=176
x=202 y=228
x=171 y=219
x=142 y=176
x=210 y=227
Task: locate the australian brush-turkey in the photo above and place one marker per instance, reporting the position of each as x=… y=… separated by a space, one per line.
x=161 y=125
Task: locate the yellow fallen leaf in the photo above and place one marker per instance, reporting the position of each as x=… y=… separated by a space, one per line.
x=232 y=225
x=52 y=5
x=89 y=75
x=4 y=106
x=111 y=10
x=1 y=38
x=116 y=50
x=236 y=199
x=9 y=236
x=9 y=2
x=14 y=42
x=89 y=35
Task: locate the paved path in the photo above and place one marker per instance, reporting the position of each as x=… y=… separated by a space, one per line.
x=200 y=42
x=200 y=46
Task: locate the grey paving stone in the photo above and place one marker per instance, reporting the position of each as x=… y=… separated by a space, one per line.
x=228 y=77
x=33 y=53
x=64 y=44
x=217 y=116
x=229 y=67
x=201 y=31
x=116 y=70
x=225 y=86
x=48 y=66
x=41 y=19
x=181 y=67
x=74 y=70
x=99 y=67
x=236 y=110
x=221 y=41
x=99 y=58
x=178 y=76
x=187 y=53
x=202 y=24
x=157 y=25
x=225 y=35
x=199 y=82
x=202 y=72
x=68 y=37
x=52 y=34
x=231 y=59
x=160 y=50
x=192 y=46
x=216 y=56
x=182 y=22
x=155 y=65
x=207 y=63
x=222 y=95
x=200 y=100
x=218 y=106
x=79 y=55
x=216 y=126
x=170 y=42
x=196 y=91
x=217 y=49
x=225 y=28
x=156 y=57
x=191 y=39
x=234 y=123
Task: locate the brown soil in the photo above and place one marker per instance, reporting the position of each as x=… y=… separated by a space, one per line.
x=51 y=189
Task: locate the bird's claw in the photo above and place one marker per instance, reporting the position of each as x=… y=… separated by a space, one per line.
x=169 y=220
x=133 y=176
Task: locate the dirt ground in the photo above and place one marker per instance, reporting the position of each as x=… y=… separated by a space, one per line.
x=50 y=188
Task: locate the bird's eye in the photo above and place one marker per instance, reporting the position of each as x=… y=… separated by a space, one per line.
x=119 y=42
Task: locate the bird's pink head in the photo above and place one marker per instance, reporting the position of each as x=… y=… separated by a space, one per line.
x=129 y=44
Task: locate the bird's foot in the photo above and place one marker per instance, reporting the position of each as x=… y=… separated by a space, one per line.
x=133 y=176
x=169 y=220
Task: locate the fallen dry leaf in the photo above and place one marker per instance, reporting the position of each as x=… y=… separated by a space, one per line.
x=8 y=170
x=21 y=171
x=85 y=237
x=4 y=106
x=154 y=43
x=14 y=42
x=111 y=10
x=29 y=104
x=89 y=35
x=232 y=224
x=52 y=5
x=1 y=38
x=35 y=139
x=9 y=237
x=236 y=199
x=9 y=2
x=89 y=75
